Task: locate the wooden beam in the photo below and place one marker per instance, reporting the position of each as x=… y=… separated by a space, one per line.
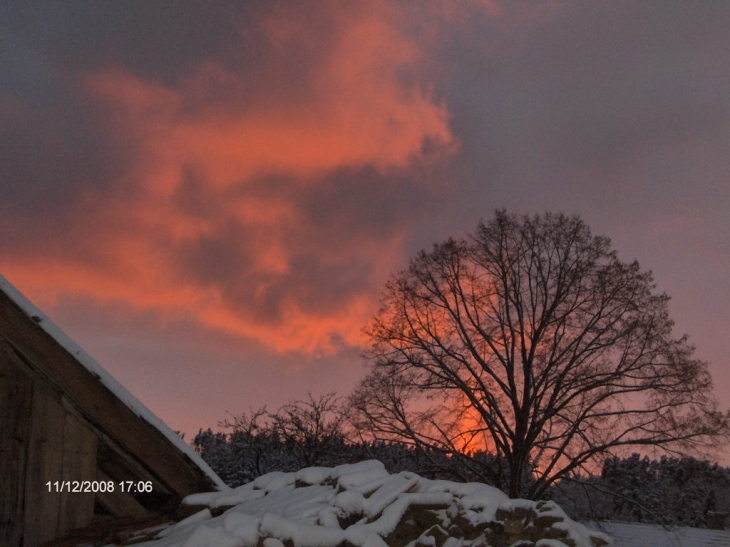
x=119 y=466
x=118 y=503
x=45 y=463
x=78 y=464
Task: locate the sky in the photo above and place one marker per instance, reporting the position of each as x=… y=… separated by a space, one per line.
x=210 y=198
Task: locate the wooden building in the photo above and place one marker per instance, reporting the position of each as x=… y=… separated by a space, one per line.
x=63 y=420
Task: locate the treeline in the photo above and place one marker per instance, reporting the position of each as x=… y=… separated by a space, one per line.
x=681 y=491
x=667 y=491
x=315 y=433
x=239 y=458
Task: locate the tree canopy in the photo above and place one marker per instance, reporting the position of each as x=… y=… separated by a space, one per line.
x=531 y=339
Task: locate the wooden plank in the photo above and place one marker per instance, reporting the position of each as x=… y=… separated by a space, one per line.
x=116 y=531
x=118 y=503
x=120 y=466
x=45 y=462
x=98 y=405
x=79 y=464
x=16 y=392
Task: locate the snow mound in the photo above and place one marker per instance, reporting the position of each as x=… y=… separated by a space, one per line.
x=362 y=505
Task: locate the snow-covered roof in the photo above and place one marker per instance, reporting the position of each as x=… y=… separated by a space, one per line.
x=653 y=535
x=105 y=378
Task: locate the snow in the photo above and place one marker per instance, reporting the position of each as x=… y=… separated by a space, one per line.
x=654 y=535
x=361 y=504
x=350 y=502
x=106 y=379
x=389 y=492
x=313 y=475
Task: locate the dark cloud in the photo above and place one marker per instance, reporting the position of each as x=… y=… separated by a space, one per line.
x=331 y=240
x=588 y=88
x=55 y=136
x=156 y=39
x=366 y=204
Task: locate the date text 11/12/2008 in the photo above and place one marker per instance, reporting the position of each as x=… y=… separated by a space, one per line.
x=132 y=487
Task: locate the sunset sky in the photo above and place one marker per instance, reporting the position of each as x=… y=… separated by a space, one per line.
x=209 y=198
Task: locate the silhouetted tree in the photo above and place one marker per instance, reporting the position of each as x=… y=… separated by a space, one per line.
x=311 y=430
x=530 y=338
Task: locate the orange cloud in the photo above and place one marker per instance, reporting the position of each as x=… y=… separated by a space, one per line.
x=354 y=109
x=215 y=220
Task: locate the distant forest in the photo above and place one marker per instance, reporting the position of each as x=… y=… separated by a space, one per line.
x=668 y=491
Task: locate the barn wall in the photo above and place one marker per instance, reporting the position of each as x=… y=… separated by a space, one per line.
x=44 y=438
x=16 y=391
x=41 y=441
x=61 y=448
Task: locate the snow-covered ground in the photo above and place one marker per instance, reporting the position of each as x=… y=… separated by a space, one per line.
x=653 y=535
x=363 y=505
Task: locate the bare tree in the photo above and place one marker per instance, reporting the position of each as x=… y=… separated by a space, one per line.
x=311 y=430
x=250 y=446
x=531 y=339
x=299 y=434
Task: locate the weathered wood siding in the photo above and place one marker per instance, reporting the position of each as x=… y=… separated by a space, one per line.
x=79 y=463
x=16 y=392
x=41 y=441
